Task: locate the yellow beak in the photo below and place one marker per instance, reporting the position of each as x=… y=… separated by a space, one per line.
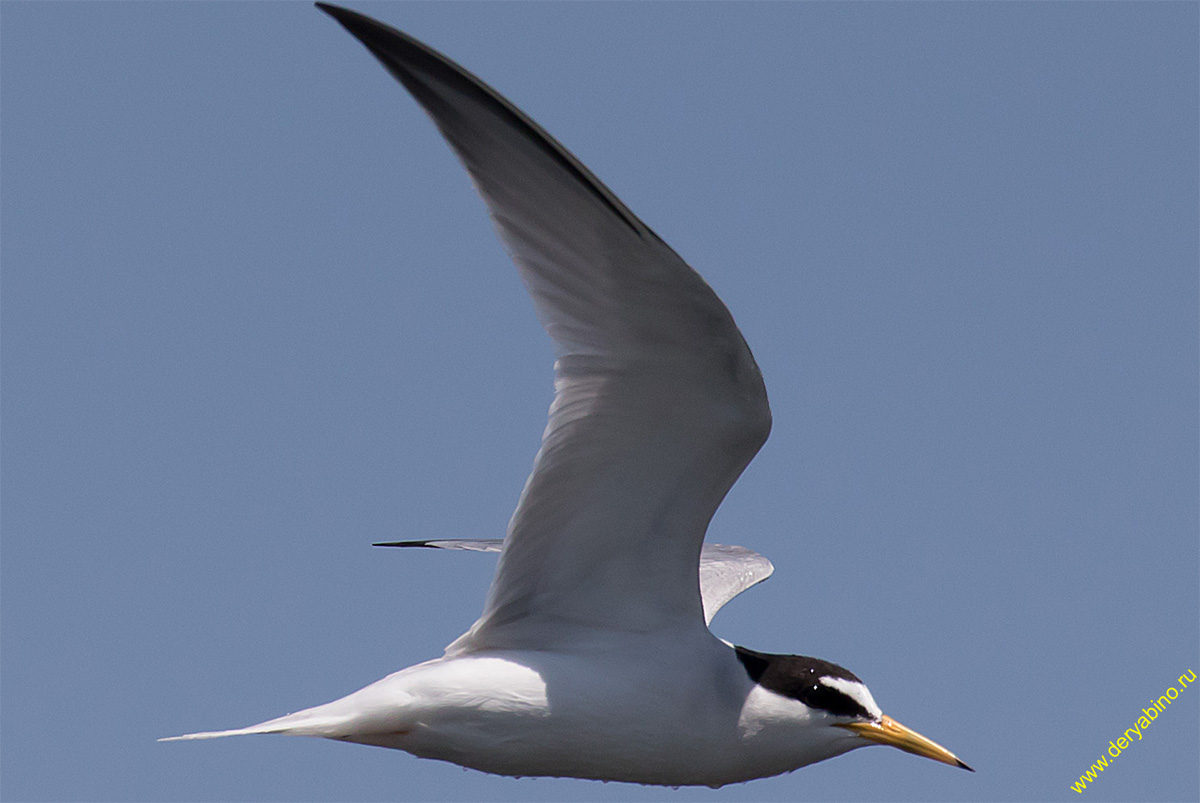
x=889 y=731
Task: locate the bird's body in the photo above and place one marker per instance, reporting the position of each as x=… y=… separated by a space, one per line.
x=592 y=657
x=652 y=708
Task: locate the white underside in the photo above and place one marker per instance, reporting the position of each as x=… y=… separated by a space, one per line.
x=625 y=708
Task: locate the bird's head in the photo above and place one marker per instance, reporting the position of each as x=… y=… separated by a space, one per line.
x=836 y=698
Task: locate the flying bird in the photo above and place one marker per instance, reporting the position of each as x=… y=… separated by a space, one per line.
x=592 y=657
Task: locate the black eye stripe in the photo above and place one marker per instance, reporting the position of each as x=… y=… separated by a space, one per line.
x=799 y=677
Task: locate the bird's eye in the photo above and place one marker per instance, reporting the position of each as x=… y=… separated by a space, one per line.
x=835 y=702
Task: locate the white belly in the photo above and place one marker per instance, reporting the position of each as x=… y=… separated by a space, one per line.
x=665 y=714
x=642 y=709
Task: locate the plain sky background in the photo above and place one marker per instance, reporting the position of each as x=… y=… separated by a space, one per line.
x=255 y=318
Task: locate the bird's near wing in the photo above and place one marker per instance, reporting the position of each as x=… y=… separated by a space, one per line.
x=725 y=571
x=658 y=404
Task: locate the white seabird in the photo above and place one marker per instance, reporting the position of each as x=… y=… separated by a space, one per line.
x=593 y=658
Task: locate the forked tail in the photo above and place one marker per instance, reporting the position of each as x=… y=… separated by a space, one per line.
x=301 y=723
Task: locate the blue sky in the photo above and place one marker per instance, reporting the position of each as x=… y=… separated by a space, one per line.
x=254 y=318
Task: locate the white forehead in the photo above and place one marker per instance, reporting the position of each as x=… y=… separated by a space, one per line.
x=855 y=691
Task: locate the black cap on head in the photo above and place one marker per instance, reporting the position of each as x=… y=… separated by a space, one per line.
x=799 y=677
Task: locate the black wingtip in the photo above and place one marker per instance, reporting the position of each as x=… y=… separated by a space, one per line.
x=332 y=11
x=399 y=543
x=351 y=20
x=962 y=764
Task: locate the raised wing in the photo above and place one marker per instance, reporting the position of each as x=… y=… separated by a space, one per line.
x=658 y=404
x=725 y=571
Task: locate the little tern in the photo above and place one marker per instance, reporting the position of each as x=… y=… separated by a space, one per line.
x=592 y=657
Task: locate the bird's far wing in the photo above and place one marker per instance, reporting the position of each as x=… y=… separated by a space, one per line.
x=725 y=571
x=658 y=404
x=464 y=544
